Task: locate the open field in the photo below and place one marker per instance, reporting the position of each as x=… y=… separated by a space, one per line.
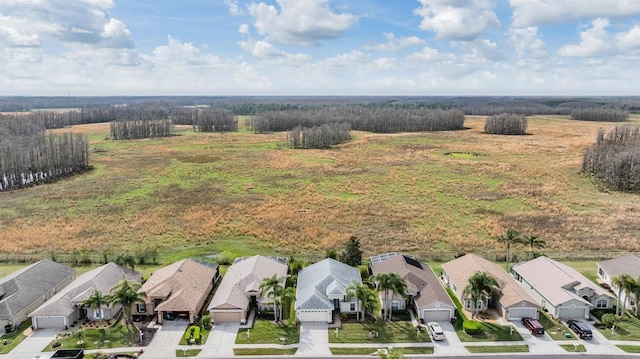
x=239 y=193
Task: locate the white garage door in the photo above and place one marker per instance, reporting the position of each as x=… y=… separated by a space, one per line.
x=48 y=322
x=569 y=312
x=524 y=312
x=314 y=316
x=435 y=315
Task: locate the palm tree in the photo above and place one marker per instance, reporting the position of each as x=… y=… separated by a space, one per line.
x=96 y=301
x=79 y=334
x=481 y=286
x=534 y=242
x=390 y=282
x=636 y=293
x=624 y=283
x=126 y=293
x=511 y=238
x=363 y=294
x=286 y=296
x=272 y=287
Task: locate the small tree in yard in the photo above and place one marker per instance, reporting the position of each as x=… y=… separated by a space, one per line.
x=512 y=237
x=352 y=254
x=609 y=320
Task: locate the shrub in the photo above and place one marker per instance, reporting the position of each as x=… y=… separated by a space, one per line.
x=609 y=320
x=206 y=321
x=193 y=332
x=471 y=327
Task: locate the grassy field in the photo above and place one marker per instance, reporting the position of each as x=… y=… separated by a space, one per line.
x=432 y=194
x=499 y=349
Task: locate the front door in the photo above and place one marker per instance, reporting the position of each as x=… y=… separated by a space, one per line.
x=336 y=303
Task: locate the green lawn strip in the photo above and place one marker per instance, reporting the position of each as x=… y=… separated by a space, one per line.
x=388 y=332
x=498 y=349
x=13 y=338
x=267 y=332
x=188 y=353
x=555 y=329
x=264 y=351
x=100 y=355
x=490 y=333
x=630 y=348
x=369 y=350
x=116 y=336
x=625 y=330
x=572 y=348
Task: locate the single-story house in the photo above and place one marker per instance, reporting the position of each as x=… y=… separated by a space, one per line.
x=177 y=291
x=513 y=302
x=321 y=290
x=427 y=297
x=65 y=308
x=240 y=288
x=24 y=290
x=629 y=264
x=560 y=289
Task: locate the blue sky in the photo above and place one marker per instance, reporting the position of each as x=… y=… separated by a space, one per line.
x=320 y=47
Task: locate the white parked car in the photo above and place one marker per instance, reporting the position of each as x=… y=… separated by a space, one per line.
x=436 y=331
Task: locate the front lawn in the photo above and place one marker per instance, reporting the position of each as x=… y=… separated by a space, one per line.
x=378 y=332
x=204 y=334
x=630 y=348
x=116 y=336
x=187 y=353
x=628 y=330
x=264 y=351
x=14 y=338
x=267 y=332
x=572 y=348
x=369 y=351
x=555 y=329
x=498 y=349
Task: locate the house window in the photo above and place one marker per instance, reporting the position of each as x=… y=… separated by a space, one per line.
x=479 y=307
x=142 y=308
x=467 y=304
x=601 y=273
x=395 y=305
x=352 y=307
x=97 y=313
x=602 y=303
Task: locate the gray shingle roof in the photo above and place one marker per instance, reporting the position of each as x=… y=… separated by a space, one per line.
x=318 y=279
x=23 y=287
x=628 y=264
x=102 y=278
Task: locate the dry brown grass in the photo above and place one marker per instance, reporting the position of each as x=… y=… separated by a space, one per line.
x=395 y=192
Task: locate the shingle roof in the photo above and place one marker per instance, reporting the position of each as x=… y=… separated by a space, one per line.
x=244 y=276
x=102 y=278
x=186 y=282
x=629 y=264
x=555 y=281
x=461 y=269
x=23 y=287
x=316 y=280
x=420 y=278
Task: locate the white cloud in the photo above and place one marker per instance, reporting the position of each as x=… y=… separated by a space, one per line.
x=88 y=22
x=536 y=12
x=244 y=29
x=528 y=43
x=234 y=8
x=396 y=43
x=629 y=41
x=430 y=55
x=299 y=22
x=594 y=41
x=260 y=48
x=457 y=20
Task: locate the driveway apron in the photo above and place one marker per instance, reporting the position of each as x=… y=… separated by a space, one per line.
x=220 y=341
x=599 y=344
x=538 y=344
x=314 y=339
x=452 y=346
x=32 y=345
x=166 y=340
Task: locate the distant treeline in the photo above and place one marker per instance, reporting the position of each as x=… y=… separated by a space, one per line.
x=323 y=136
x=600 y=114
x=614 y=160
x=506 y=124
x=386 y=120
x=252 y=105
x=29 y=156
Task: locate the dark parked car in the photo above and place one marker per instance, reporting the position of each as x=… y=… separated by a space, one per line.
x=580 y=328
x=533 y=325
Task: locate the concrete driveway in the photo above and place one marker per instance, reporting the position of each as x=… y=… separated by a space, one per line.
x=220 y=341
x=538 y=344
x=452 y=345
x=599 y=344
x=166 y=340
x=32 y=345
x=314 y=339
